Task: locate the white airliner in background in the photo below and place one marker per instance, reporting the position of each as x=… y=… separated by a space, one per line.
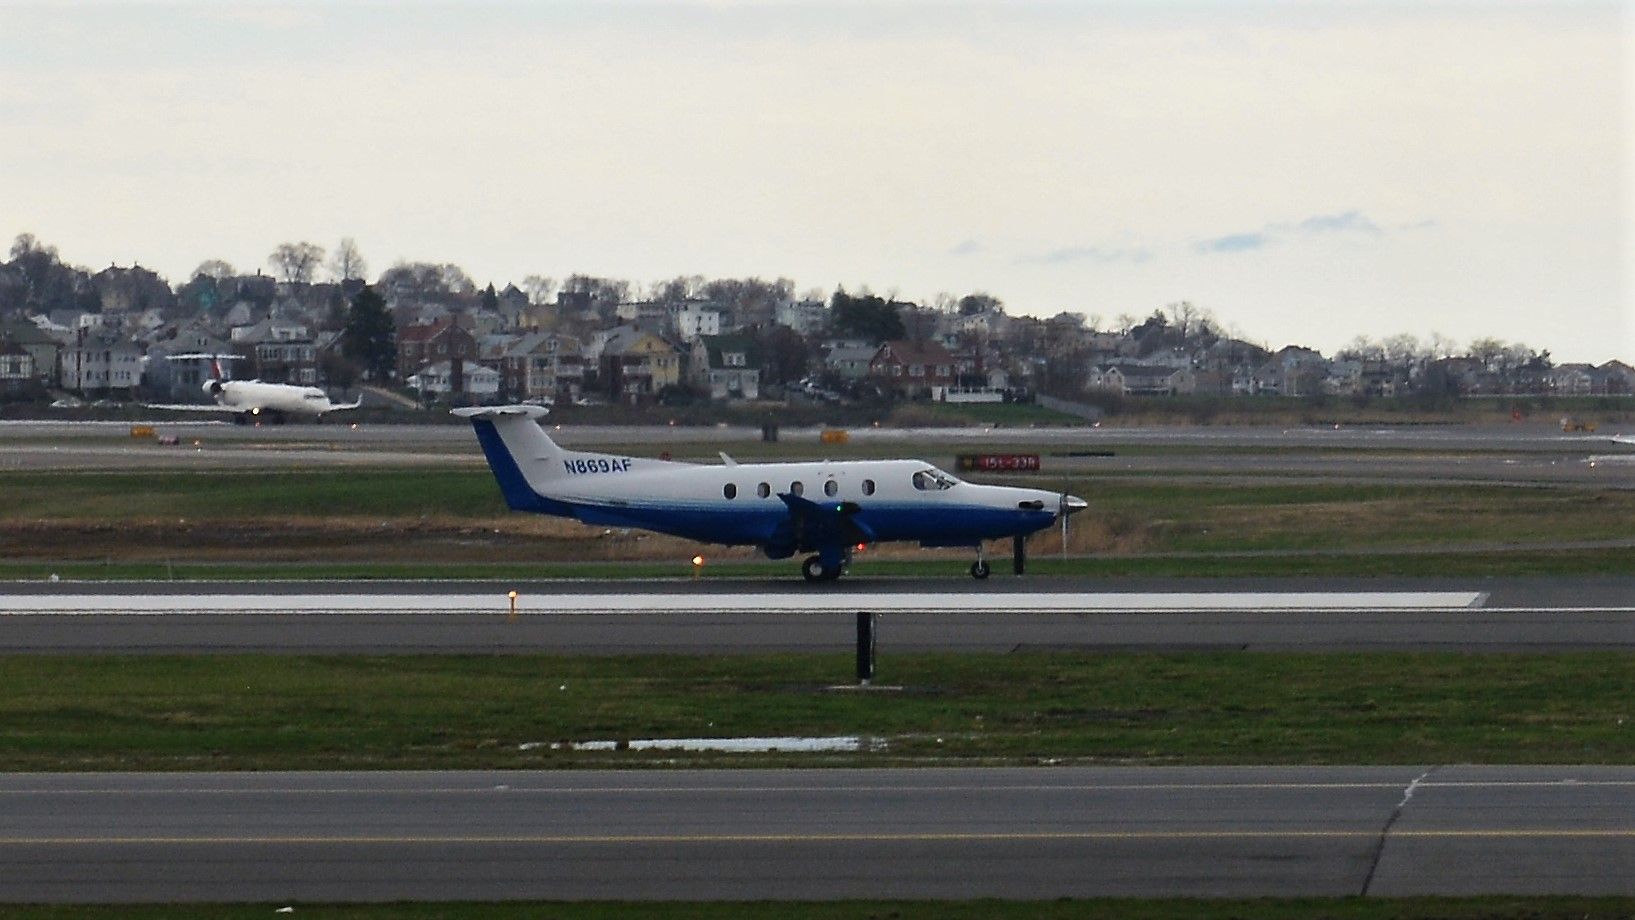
x=252 y=400
x=828 y=508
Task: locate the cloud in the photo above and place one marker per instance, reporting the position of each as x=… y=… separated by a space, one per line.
x=1345 y=222
x=1088 y=254
x=1235 y=242
x=967 y=248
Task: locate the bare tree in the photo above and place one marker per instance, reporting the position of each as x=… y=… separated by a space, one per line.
x=28 y=244
x=1403 y=351
x=677 y=290
x=296 y=262
x=215 y=268
x=1488 y=351
x=347 y=262
x=1362 y=348
x=538 y=288
x=1190 y=320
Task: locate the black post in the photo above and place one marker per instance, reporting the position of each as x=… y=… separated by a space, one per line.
x=865 y=647
x=1019 y=554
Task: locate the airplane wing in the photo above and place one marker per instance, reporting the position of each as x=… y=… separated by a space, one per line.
x=817 y=524
x=192 y=407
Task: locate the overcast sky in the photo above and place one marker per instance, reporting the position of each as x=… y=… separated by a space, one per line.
x=1309 y=172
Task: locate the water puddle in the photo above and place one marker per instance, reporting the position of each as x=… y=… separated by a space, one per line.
x=843 y=744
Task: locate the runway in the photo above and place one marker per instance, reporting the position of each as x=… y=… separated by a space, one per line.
x=1534 y=453
x=749 y=616
x=1037 y=833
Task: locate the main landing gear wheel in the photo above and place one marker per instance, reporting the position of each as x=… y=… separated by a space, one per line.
x=979 y=570
x=814 y=570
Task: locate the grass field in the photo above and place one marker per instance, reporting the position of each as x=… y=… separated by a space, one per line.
x=1493 y=908
x=254 y=712
x=444 y=521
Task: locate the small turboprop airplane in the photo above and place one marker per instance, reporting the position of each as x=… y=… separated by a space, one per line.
x=251 y=400
x=828 y=508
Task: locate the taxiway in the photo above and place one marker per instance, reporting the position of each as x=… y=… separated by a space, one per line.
x=802 y=834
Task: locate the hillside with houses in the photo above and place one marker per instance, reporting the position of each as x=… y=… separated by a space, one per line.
x=429 y=335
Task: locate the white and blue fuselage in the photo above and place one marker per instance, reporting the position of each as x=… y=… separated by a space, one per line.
x=824 y=507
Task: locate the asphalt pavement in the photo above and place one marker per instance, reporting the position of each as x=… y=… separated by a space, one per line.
x=1036 y=833
x=1515 y=614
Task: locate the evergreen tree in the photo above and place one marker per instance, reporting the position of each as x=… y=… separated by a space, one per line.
x=866 y=316
x=369 y=339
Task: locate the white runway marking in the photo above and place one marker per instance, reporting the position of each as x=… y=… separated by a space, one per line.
x=815 y=602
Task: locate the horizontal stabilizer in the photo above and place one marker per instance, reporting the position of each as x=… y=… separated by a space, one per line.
x=533 y=412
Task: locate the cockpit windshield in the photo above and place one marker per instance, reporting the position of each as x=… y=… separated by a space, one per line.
x=932 y=479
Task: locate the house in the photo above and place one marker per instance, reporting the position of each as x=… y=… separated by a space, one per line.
x=543 y=365
x=695 y=319
x=444 y=340
x=649 y=314
x=17 y=375
x=1618 y=378
x=807 y=317
x=850 y=362
x=100 y=361
x=1345 y=377
x=512 y=305
x=636 y=365
x=40 y=344
x=1292 y=371
x=180 y=379
x=1572 y=379
x=440 y=381
x=282 y=350
x=727 y=366
x=1141 y=379
x=912 y=368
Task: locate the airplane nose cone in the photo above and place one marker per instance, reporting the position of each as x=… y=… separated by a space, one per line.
x=1072 y=504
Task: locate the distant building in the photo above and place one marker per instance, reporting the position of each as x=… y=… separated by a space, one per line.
x=17 y=375
x=912 y=368
x=1142 y=379
x=695 y=319
x=99 y=361
x=727 y=366
x=807 y=317
x=545 y=366
x=445 y=340
x=281 y=349
x=42 y=347
x=438 y=381
x=850 y=362
x=636 y=365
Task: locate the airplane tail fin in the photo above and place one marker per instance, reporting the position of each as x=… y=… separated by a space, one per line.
x=530 y=467
x=519 y=452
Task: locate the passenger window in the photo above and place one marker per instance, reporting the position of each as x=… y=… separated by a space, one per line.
x=729 y=490
x=795 y=488
x=763 y=490
x=830 y=488
x=868 y=487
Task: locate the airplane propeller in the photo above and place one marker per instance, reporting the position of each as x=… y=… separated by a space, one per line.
x=1067 y=506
